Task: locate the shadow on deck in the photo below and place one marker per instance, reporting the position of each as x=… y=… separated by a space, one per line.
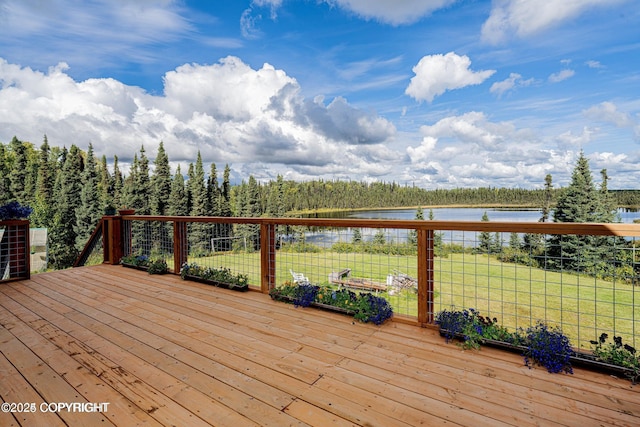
x=161 y=351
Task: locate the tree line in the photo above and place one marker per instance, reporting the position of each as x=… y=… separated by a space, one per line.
x=70 y=189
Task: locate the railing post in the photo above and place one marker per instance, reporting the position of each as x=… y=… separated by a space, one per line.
x=180 y=245
x=267 y=257
x=112 y=243
x=425 y=276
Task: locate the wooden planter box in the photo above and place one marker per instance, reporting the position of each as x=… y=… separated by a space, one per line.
x=233 y=287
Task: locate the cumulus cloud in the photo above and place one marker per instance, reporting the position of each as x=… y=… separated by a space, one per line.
x=607 y=112
x=435 y=74
x=524 y=18
x=561 y=75
x=391 y=11
x=229 y=111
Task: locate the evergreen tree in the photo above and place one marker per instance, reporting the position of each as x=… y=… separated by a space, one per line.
x=18 y=171
x=199 y=233
x=161 y=183
x=118 y=184
x=485 y=242
x=356 y=238
x=225 y=194
x=5 y=195
x=142 y=189
x=62 y=239
x=579 y=202
x=105 y=185
x=213 y=192
x=548 y=193
x=178 y=198
x=90 y=210
x=44 y=207
x=412 y=235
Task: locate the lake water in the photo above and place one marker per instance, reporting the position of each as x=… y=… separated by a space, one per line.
x=327 y=238
x=471 y=214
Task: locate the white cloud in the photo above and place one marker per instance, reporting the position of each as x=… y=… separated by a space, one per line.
x=608 y=112
x=594 y=64
x=229 y=111
x=435 y=74
x=524 y=18
x=391 y=11
x=110 y=30
x=513 y=81
x=423 y=151
x=561 y=75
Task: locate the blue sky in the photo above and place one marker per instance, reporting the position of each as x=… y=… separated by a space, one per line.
x=434 y=93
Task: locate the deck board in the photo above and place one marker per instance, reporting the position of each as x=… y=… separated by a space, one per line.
x=163 y=351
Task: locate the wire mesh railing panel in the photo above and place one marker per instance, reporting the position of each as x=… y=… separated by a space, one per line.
x=586 y=285
x=235 y=247
x=153 y=239
x=382 y=261
x=14 y=250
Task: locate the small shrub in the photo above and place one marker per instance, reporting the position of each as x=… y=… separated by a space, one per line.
x=617 y=353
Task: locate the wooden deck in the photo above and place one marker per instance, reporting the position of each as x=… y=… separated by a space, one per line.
x=161 y=351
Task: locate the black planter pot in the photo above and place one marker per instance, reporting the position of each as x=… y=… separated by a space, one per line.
x=321 y=306
x=233 y=287
x=579 y=359
x=136 y=267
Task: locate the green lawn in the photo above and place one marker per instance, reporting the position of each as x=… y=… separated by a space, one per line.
x=515 y=294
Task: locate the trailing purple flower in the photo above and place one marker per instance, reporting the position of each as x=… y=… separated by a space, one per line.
x=14 y=210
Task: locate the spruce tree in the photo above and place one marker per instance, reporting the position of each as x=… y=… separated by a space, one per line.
x=18 y=172
x=178 y=198
x=5 y=195
x=213 y=192
x=579 y=202
x=198 y=232
x=44 y=206
x=161 y=183
x=485 y=242
x=118 y=184
x=105 y=185
x=142 y=189
x=62 y=239
x=90 y=210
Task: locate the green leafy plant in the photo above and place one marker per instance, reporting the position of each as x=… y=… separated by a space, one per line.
x=217 y=276
x=136 y=260
x=617 y=353
x=472 y=327
x=364 y=306
x=158 y=266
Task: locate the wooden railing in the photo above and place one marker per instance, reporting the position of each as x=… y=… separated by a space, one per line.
x=434 y=290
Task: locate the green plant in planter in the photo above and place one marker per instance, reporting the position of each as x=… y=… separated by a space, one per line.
x=364 y=306
x=617 y=353
x=158 y=266
x=137 y=260
x=220 y=275
x=472 y=327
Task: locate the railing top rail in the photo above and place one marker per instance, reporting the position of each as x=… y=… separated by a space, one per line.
x=600 y=229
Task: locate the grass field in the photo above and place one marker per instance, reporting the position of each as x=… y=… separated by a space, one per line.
x=517 y=295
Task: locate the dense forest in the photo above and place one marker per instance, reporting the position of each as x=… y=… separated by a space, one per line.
x=69 y=190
